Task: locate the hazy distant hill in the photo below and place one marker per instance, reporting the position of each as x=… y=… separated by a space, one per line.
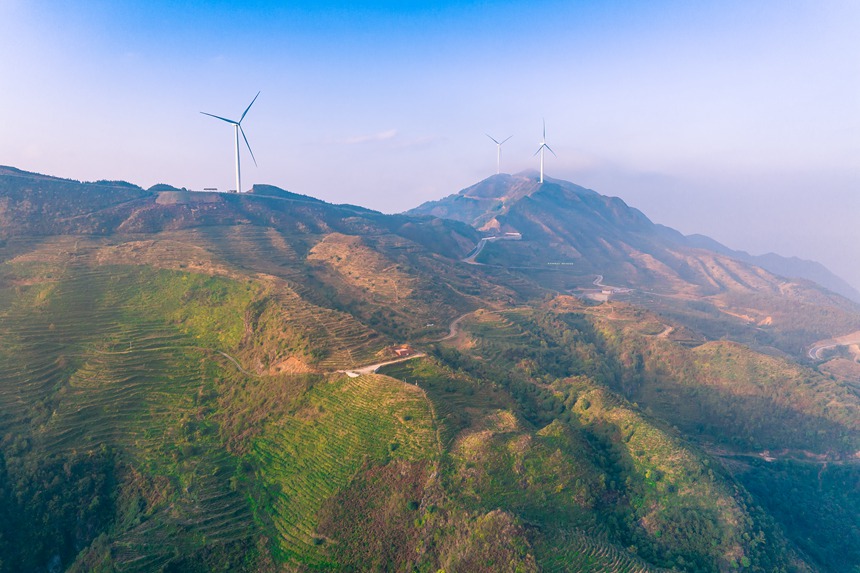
x=568 y=223
x=784 y=266
x=570 y=235
x=184 y=386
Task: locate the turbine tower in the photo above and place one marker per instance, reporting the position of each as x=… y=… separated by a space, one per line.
x=237 y=128
x=543 y=146
x=499 y=149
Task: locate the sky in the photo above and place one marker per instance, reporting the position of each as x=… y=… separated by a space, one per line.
x=736 y=119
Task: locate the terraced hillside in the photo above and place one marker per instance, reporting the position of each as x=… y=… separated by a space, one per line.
x=729 y=408
x=586 y=454
x=178 y=392
x=141 y=363
x=109 y=359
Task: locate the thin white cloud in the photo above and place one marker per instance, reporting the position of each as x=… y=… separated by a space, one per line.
x=421 y=141
x=359 y=139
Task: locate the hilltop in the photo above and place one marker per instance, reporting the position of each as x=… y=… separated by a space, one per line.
x=564 y=222
x=181 y=390
x=570 y=235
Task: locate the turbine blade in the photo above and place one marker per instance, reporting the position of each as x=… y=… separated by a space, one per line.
x=249 y=145
x=538 y=151
x=510 y=136
x=550 y=149
x=544 y=128
x=493 y=138
x=249 y=107
x=219 y=117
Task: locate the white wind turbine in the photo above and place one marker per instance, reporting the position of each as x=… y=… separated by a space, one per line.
x=499 y=149
x=543 y=146
x=237 y=127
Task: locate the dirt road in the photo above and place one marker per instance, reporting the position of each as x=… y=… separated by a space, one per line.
x=816 y=349
x=371 y=368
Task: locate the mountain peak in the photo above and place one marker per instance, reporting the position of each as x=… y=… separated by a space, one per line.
x=563 y=222
x=480 y=204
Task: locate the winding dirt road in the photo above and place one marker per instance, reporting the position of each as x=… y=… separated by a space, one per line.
x=816 y=349
x=453 y=328
x=470 y=258
x=371 y=368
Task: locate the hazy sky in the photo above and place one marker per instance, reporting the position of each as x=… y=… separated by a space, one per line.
x=736 y=119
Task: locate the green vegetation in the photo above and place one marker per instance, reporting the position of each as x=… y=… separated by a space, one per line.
x=337 y=428
x=123 y=361
x=184 y=400
x=726 y=393
x=642 y=487
x=828 y=525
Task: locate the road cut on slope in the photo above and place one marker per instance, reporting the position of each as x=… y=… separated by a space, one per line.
x=847 y=340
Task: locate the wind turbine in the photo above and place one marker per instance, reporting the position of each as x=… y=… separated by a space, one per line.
x=543 y=146
x=499 y=154
x=237 y=127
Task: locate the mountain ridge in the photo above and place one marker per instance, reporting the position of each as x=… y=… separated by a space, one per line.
x=487 y=206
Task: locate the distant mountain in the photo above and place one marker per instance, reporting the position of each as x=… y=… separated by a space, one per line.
x=561 y=222
x=575 y=239
x=793 y=267
x=34 y=204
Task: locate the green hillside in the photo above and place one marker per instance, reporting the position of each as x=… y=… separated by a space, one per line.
x=184 y=392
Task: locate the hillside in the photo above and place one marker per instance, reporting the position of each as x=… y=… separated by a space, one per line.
x=782 y=266
x=501 y=202
x=179 y=392
x=573 y=238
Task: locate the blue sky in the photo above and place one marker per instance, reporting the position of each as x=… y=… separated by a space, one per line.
x=736 y=119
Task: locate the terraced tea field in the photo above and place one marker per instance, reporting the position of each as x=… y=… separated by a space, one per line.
x=89 y=358
x=578 y=552
x=171 y=395
x=342 y=426
x=133 y=358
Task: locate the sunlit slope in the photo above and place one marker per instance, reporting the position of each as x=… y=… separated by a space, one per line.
x=570 y=236
x=338 y=429
x=213 y=460
x=147 y=364
x=204 y=411
x=181 y=395
x=531 y=427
